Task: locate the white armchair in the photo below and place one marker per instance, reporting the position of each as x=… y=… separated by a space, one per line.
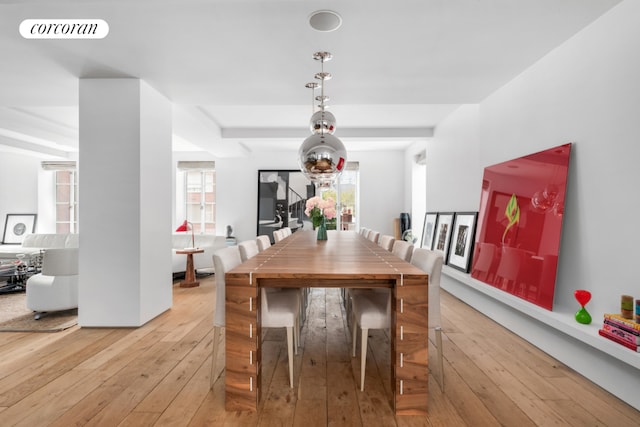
x=56 y=287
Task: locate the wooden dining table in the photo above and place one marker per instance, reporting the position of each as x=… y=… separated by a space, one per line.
x=344 y=260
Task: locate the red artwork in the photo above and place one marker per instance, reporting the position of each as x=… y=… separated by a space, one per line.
x=520 y=224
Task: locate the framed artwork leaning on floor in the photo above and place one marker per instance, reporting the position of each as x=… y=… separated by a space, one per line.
x=17 y=226
x=442 y=234
x=462 y=239
x=428 y=230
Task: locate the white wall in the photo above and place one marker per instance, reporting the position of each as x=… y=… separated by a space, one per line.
x=454 y=166
x=415 y=187
x=586 y=91
x=382 y=183
x=18 y=185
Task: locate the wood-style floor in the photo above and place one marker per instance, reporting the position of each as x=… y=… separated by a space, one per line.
x=158 y=375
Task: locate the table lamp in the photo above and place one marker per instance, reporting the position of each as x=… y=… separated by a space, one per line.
x=186 y=226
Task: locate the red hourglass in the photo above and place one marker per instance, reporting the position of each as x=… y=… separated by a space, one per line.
x=583 y=297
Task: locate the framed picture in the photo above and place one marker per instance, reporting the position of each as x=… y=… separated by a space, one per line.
x=428 y=230
x=462 y=238
x=282 y=198
x=17 y=226
x=442 y=234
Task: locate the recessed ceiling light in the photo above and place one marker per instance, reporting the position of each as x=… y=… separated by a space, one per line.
x=325 y=20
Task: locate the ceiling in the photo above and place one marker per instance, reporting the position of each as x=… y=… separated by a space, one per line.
x=236 y=70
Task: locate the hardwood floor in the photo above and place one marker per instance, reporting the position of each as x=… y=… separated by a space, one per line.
x=158 y=375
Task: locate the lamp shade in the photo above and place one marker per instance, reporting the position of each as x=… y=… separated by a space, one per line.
x=322 y=157
x=322 y=122
x=183 y=228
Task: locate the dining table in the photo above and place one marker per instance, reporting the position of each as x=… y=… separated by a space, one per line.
x=345 y=260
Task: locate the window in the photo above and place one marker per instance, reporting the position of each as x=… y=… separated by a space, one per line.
x=348 y=196
x=66 y=202
x=198 y=200
x=418 y=194
x=345 y=194
x=66 y=195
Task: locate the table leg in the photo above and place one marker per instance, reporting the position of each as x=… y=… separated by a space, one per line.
x=410 y=347
x=243 y=352
x=189 y=274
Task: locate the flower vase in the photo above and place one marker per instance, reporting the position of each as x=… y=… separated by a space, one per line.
x=583 y=297
x=322 y=230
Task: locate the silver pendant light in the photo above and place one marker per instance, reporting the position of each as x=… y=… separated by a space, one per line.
x=322 y=156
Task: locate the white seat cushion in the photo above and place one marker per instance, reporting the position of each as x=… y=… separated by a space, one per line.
x=50 y=241
x=372 y=309
x=279 y=309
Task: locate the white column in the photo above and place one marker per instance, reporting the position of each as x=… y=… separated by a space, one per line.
x=125 y=203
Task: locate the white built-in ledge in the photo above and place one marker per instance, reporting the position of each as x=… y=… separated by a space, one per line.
x=559 y=319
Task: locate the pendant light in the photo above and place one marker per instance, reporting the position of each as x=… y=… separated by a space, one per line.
x=322 y=156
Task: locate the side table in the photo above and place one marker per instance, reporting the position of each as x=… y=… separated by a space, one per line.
x=190 y=273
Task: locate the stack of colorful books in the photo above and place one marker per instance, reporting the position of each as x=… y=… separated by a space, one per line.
x=622 y=331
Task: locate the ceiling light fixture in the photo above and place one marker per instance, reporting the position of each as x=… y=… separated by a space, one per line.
x=325 y=20
x=322 y=156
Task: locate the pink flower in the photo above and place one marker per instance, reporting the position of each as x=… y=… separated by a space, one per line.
x=316 y=208
x=328 y=203
x=312 y=202
x=330 y=213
